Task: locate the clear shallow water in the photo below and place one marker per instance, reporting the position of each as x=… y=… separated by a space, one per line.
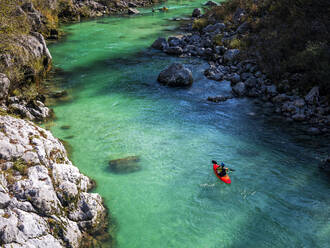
x=278 y=198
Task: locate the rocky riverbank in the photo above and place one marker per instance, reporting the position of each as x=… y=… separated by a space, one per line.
x=24 y=56
x=217 y=43
x=44 y=199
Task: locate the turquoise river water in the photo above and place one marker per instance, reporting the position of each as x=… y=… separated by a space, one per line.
x=278 y=197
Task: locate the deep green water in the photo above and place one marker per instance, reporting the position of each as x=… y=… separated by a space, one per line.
x=278 y=197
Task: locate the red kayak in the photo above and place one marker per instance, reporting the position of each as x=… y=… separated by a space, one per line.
x=225 y=179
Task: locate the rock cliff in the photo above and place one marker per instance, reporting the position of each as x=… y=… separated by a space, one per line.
x=44 y=199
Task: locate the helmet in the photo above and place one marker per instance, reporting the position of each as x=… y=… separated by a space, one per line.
x=222 y=164
x=214 y=162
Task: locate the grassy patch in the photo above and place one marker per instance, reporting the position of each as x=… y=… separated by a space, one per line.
x=235 y=43
x=217 y=40
x=199 y=24
x=21 y=167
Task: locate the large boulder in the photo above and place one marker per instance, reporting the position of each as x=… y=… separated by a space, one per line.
x=176 y=75
x=160 y=44
x=196 y=12
x=239 y=89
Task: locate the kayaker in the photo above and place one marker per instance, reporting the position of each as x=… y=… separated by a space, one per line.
x=221 y=170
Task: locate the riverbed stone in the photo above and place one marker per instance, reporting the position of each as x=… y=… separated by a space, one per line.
x=160 y=43
x=196 y=12
x=271 y=90
x=239 y=89
x=173 y=41
x=216 y=28
x=132 y=11
x=235 y=78
x=211 y=4
x=174 y=50
x=231 y=54
x=217 y=99
x=176 y=75
x=280 y=98
x=299 y=103
x=125 y=165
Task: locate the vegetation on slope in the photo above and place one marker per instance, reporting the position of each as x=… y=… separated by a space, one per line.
x=289 y=38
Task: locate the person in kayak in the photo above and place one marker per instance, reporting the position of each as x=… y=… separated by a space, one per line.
x=221 y=170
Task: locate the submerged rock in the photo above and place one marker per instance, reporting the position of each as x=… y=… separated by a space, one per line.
x=176 y=75
x=217 y=99
x=58 y=94
x=125 y=165
x=65 y=127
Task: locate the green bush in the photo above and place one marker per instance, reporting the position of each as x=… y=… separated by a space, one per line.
x=21 y=167
x=199 y=24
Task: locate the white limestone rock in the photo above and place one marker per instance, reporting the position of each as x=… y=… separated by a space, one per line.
x=43 y=197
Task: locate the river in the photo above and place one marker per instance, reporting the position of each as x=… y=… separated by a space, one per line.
x=278 y=197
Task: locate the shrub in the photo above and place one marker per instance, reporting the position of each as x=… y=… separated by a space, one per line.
x=21 y=167
x=199 y=24
x=235 y=43
x=217 y=39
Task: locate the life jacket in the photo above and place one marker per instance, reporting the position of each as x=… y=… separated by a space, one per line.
x=221 y=171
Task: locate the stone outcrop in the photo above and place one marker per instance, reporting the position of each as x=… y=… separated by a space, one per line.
x=44 y=199
x=29 y=55
x=176 y=75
